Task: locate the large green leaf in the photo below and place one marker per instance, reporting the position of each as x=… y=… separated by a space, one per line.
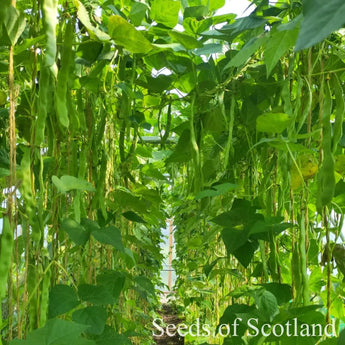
x=96 y=294
x=238 y=244
x=137 y=13
x=339 y=257
x=62 y=299
x=113 y=281
x=187 y=41
x=110 y=336
x=83 y=16
x=282 y=292
x=125 y=34
x=94 y=317
x=110 y=235
x=67 y=183
x=75 y=231
x=165 y=12
x=243 y=24
x=329 y=341
x=246 y=52
x=210 y=48
x=277 y=45
x=267 y=305
x=13 y=24
x=198 y=12
x=55 y=332
x=145 y=285
x=215 y=4
x=212 y=4
x=241 y=311
x=272 y=122
x=182 y=150
x=245 y=253
x=130 y=215
x=321 y=18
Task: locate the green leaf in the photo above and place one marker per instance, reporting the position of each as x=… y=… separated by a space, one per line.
x=187 y=41
x=321 y=18
x=125 y=34
x=242 y=311
x=165 y=12
x=329 y=341
x=84 y=341
x=267 y=305
x=246 y=52
x=75 y=231
x=133 y=217
x=194 y=26
x=13 y=23
x=316 y=280
x=28 y=43
x=341 y=339
x=83 y=16
x=282 y=292
x=272 y=122
x=241 y=214
x=339 y=257
x=137 y=13
x=277 y=45
x=145 y=284
x=96 y=294
x=62 y=299
x=216 y=190
x=243 y=24
x=113 y=281
x=89 y=225
x=110 y=235
x=245 y=253
x=67 y=183
x=94 y=317
x=238 y=244
x=195 y=12
x=210 y=48
x=4 y=172
x=55 y=332
x=216 y=4
x=3 y=98
x=182 y=150
x=110 y=336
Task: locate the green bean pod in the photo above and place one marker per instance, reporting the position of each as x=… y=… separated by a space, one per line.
x=48 y=67
x=50 y=21
x=43 y=96
x=326 y=181
x=5 y=260
x=339 y=113
x=63 y=76
x=26 y=192
x=44 y=303
x=5 y=255
x=32 y=279
x=285 y=93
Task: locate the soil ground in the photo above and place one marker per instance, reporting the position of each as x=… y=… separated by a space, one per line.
x=169 y=316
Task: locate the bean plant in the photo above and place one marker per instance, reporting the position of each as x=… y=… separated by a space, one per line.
x=117 y=115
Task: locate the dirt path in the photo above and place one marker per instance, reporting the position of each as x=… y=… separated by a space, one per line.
x=169 y=315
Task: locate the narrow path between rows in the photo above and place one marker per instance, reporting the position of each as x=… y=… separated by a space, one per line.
x=169 y=316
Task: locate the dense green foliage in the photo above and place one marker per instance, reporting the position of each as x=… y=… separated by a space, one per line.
x=113 y=121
